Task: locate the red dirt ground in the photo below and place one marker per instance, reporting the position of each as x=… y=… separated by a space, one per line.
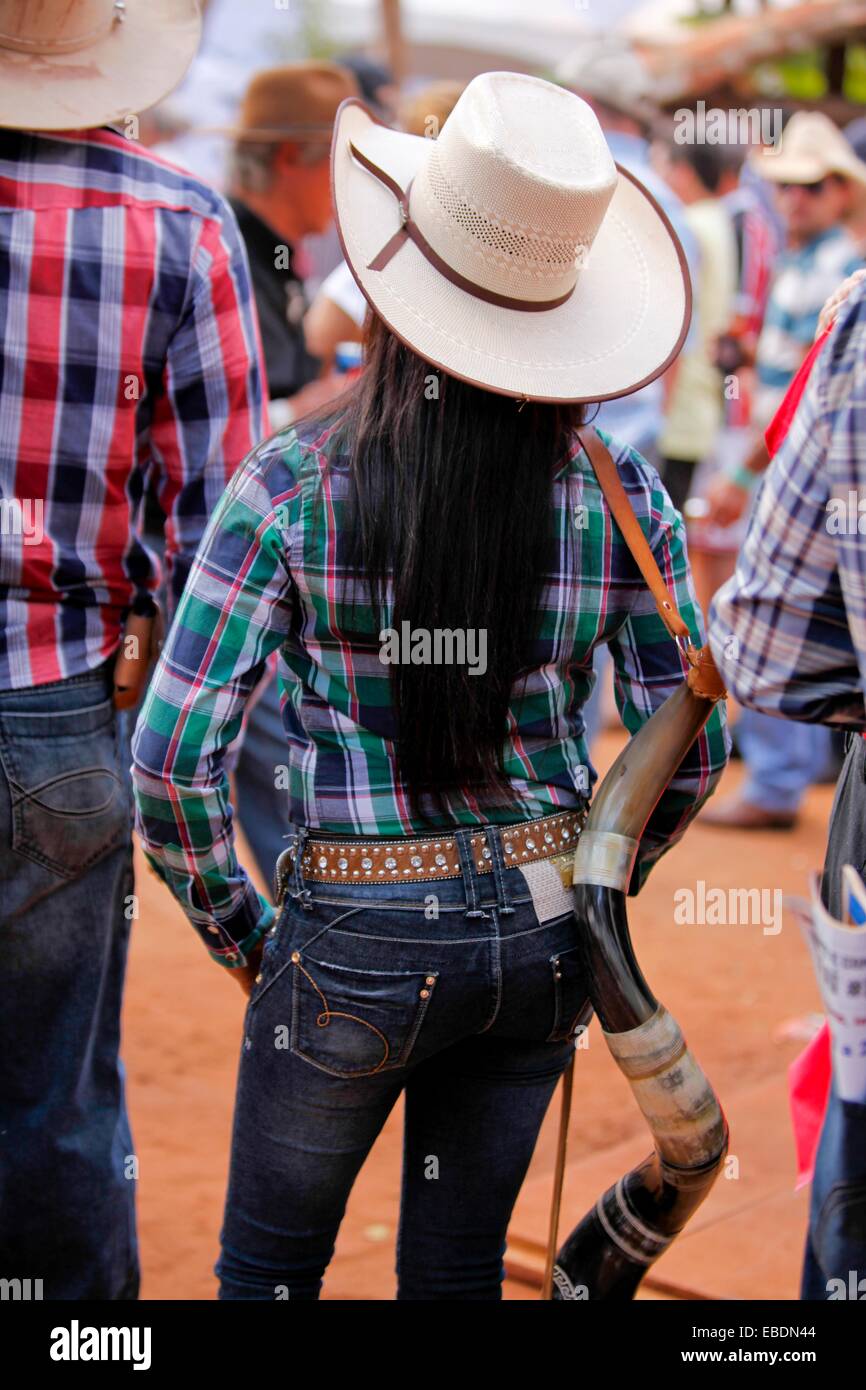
x=732 y=989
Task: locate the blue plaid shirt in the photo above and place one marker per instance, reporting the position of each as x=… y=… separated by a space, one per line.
x=788 y=631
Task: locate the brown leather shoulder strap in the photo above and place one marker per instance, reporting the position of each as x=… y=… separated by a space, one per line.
x=623 y=514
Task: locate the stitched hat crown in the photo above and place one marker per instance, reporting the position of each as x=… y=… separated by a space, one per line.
x=513 y=192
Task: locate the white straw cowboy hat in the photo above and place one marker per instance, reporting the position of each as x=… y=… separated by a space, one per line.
x=74 y=64
x=811 y=147
x=512 y=251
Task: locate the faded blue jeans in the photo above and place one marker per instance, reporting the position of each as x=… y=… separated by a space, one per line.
x=834 y=1265
x=783 y=758
x=459 y=992
x=67 y=1188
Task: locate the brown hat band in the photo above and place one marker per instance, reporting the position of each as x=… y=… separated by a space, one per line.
x=410 y=231
x=19 y=44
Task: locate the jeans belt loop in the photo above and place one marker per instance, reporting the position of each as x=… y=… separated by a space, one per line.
x=495 y=838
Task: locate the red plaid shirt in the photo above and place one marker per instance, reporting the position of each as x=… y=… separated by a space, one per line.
x=129 y=353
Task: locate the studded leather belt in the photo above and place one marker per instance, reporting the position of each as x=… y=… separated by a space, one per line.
x=427 y=857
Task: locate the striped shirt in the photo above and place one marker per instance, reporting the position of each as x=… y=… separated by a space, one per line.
x=757 y=250
x=128 y=353
x=788 y=631
x=804 y=279
x=269 y=577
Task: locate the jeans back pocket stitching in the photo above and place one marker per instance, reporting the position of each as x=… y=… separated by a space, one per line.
x=381 y=1066
x=32 y=794
x=281 y=922
x=327 y=1014
x=36 y=855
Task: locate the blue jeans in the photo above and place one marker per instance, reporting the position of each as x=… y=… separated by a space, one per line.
x=783 y=758
x=835 y=1258
x=836 y=1242
x=67 y=1189
x=457 y=991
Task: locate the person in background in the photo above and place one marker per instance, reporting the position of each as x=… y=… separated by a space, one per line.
x=375 y=83
x=281 y=191
x=238 y=40
x=714 y=549
x=817 y=178
x=338 y=311
x=128 y=351
x=609 y=75
x=855 y=134
x=788 y=633
x=699 y=174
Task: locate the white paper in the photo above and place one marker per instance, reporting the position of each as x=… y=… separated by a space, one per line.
x=839 y=957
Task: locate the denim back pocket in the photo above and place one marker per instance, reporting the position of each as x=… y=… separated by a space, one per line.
x=352 y=1022
x=69 y=802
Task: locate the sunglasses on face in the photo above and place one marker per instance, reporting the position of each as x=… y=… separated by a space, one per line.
x=813 y=189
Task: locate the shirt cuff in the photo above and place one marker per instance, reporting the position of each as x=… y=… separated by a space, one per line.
x=238 y=958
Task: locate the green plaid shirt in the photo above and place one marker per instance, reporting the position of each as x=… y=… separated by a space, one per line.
x=268 y=578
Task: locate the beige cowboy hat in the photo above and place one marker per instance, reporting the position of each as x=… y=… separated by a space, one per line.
x=512 y=251
x=810 y=148
x=75 y=64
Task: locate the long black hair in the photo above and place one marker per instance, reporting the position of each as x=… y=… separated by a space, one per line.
x=451 y=495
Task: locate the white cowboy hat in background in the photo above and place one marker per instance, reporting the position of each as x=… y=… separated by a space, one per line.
x=75 y=64
x=810 y=148
x=512 y=252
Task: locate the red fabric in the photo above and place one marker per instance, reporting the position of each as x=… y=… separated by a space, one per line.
x=809 y=1091
x=781 y=421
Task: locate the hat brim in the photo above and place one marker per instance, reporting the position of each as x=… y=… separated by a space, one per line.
x=805 y=169
x=136 y=64
x=621 y=328
x=278 y=135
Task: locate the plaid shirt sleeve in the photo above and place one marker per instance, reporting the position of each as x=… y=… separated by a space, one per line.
x=235 y=610
x=211 y=408
x=648 y=665
x=788 y=631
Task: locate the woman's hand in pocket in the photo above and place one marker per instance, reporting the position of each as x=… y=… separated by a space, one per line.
x=246 y=974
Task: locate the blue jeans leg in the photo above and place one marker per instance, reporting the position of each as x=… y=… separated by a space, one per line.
x=457 y=991
x=835 y=1258
x=67 y=1168
x=783 y=758
x=835 y=1262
